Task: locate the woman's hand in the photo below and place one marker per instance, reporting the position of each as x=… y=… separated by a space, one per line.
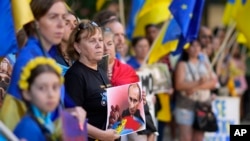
x=79 y=113
x=110 y=135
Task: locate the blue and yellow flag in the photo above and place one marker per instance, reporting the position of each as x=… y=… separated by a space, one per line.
x=187 y=13
x=231 y=8
x=242 y=19
x=22 y=13
x=8 y=43
x=136 y=7
x=166 y=41
x=152 y=12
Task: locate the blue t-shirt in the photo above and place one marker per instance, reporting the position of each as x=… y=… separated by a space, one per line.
x=133 y=63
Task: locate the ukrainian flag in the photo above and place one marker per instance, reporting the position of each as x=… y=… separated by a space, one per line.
x=8 y=43
x=136 y=7
x=13 y=108
x=166 y=41
x=152 y=12
x=230 y=11
x=22 y=13
x=242 y=19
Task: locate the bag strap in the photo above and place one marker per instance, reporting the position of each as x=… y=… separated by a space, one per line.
x=193 y=77
x=190 y=70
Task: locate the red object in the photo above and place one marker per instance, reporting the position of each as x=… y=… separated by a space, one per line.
x=132 y=123
x=123 y=74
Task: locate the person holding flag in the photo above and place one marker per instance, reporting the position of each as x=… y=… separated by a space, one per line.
x=45 y=31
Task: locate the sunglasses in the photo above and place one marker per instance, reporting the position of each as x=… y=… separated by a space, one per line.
x=83 y=26
x=207 y=37
x=106 y=29
x=5 y=79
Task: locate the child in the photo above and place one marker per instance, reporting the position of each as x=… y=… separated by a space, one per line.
x=40 y=83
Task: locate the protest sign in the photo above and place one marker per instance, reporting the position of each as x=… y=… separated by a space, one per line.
x=125 y=109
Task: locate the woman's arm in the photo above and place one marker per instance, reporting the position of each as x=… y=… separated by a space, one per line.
x=210 y=82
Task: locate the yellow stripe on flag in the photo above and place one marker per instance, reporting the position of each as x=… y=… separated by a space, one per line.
x=158 y=49
x=22 y=13
x=152 y=12
x=243 y=21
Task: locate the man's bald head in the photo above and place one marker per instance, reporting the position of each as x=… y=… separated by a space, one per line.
x=119 y=35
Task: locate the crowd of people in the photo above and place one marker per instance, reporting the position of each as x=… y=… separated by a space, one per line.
x=57 y=67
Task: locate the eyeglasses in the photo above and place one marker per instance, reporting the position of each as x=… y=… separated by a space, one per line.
x=5 y=79
x=106 y=29
x=82 y=26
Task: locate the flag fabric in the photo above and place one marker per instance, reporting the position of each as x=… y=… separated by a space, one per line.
x=241 y=39
x=152 y=12
x=8 y=42
x=227 y=15
x=242 y=19
x=12 y=111
x=22 y=13
x=173 y=31
x=166 y=41
x=230 y=11
x=181 y=43
x=136 y=7
x=187 y=13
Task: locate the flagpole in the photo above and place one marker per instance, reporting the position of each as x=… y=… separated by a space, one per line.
x=232 y=42
x=121 y=11
x=223 y=54
x=224 y=43
x=155 y=41
x=7 y=133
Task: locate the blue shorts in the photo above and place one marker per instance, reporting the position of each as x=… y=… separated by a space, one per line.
x=184 y=116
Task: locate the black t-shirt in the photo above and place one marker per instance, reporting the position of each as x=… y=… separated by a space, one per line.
x=87 y=89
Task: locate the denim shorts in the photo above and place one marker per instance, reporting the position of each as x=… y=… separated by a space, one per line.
x=184 y=116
